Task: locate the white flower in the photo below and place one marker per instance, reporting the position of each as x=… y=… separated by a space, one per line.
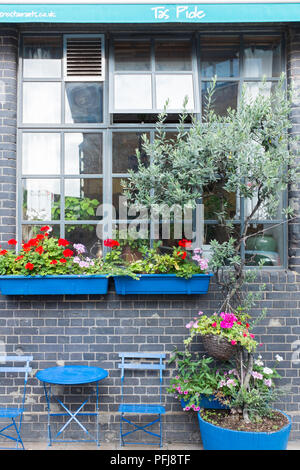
x=278 y=358
x=259 y=362
x=267 y=371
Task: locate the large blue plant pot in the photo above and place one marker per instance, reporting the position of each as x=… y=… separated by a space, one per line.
x=208 y=402
x=217 y=438
x=53 y=285
x=162 y=284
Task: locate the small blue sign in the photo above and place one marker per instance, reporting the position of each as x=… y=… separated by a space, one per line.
x=150 y=13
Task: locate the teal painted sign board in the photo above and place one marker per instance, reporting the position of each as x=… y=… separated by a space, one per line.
x=150 y=13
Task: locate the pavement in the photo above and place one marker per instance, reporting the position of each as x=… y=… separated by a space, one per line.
x=293 y=445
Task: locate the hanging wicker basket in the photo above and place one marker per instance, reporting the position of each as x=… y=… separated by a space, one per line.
x=218 y=347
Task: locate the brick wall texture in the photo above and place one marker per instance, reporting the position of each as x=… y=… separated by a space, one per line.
x=92 y=330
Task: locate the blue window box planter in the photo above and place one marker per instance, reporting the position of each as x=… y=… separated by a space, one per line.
x=217 y=438
x=53 y=285
x=162 y=284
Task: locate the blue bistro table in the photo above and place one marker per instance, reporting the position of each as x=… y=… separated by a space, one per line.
x=72 y=375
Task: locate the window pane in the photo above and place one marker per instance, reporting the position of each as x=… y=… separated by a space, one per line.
x=30 y=231
x=87 y=234
x=84 y=102
x=83 y=153
x=133 y=92
x=132 y=55
x=262 y=56
x=225 y=96
x=263 y=213
x=212 y=200
x=41 y=199
x=41 y=103
x=253 y=89
x=174 y=88
x=220 y=56
x=42 y=57
x=82 y=198
x=118 y=204
x=173 y=56
x=41 y=153
x=218 y=232
x=264 y=246
x=124 y=151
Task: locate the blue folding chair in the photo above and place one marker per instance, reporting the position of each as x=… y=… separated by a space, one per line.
x=15 y=414
x=127 y=362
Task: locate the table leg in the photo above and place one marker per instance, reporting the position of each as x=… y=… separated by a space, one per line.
x=48 y=398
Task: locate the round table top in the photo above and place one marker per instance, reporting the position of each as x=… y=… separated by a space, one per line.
x=71 y=375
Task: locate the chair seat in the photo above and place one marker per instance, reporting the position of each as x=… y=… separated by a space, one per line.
x=10 y=412
x=147 y=409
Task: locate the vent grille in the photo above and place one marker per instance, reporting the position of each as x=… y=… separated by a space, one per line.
x=84 y=58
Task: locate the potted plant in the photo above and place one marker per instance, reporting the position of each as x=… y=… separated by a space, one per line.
x=49 y=265
x=255 y=392
x=222 y=334
x=177 y=272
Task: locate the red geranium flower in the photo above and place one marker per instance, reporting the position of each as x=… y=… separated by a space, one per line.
x=39 y=250
x=182 y=254
x=40 y=236
x=26 y=247
x=33 y=242
x=45 y=228
x=12 y=241
x=29 y=266
x=185 y=243
x=67 y=253
x=3 y=252
x=111 y=243
x=53 y=261
x=62 y=260
x=19 y=257
x=63 y=242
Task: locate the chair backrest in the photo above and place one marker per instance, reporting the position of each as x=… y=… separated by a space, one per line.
x=26 y=369
x=133 y=361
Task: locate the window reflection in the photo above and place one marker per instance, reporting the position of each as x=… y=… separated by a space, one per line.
x=90 y=235
x=174 y=89
x=83 y=153
x=30 y=231
x=132 y=55
x=220 y=56
x=42 y=102
x=125 y=145
x=264 y=245
x=42 y=57
x=133 y=92
x=173 y=56
x=82 y=198
x=225 y=96
x=84 y=102
x=41 y=153
x=41 y=197
x=262 y=56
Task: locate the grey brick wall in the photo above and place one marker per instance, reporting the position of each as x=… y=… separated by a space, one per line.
x=94 y=329
x=8 y=131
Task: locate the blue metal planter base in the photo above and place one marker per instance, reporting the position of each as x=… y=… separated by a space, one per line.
x=53 y=285
x=208 y=402
x=162 y=284
x=217 y=438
